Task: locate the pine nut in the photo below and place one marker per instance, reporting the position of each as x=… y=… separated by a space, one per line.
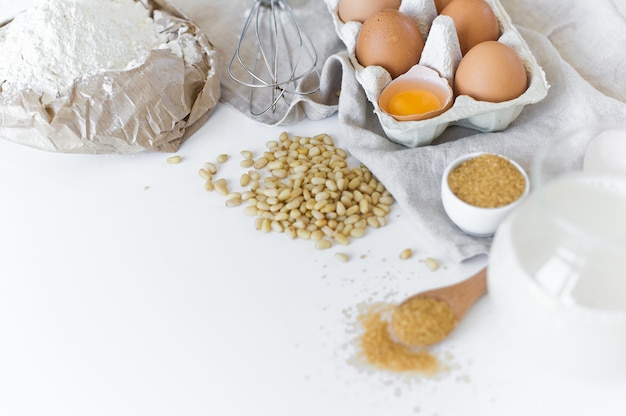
x=246 y=163
x=341 y=239
x=221 y=187
x=357 y=232
x=233 y=202
x=364 y=206
x=277 y=227
x=323 y=244
x=303 y=234
x=210 y=167
x=279 y=173
x=431 y=263
x=251 y=210
x=205 y=174
x=342 y=257
x=266 y=225
x=372 y=222
x=378 y=211
x=260 y=163
x=174 y=159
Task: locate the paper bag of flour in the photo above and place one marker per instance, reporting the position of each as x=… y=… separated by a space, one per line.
x=149 y=106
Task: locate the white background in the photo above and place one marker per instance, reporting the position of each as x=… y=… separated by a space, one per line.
x=127 y=289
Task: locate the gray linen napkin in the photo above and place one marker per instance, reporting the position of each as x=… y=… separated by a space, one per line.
x=579 y=44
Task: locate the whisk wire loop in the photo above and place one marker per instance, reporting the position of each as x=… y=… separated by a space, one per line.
x=281 y=57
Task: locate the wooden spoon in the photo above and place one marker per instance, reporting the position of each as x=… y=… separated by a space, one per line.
x=460 y=297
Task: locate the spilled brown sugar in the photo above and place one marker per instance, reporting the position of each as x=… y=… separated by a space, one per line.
x=381 y=350
x=487 y=181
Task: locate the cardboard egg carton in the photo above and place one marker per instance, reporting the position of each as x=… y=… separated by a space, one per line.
x=443 y=54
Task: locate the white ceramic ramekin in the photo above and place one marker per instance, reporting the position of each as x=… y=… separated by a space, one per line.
x=473 y=220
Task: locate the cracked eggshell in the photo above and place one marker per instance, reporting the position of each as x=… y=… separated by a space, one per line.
x=442 y=54
x=417 y=78
x=443 y=60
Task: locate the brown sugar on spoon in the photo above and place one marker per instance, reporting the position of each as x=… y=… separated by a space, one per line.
x=429 y=317
x=396 y=336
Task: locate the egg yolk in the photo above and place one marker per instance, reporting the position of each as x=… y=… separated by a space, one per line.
x=414 y=101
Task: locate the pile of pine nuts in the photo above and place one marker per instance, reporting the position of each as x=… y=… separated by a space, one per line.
x=303 y=187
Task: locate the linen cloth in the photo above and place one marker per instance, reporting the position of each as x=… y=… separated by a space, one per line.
x=578 y=43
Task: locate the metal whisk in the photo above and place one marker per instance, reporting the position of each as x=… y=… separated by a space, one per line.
x=273 y=55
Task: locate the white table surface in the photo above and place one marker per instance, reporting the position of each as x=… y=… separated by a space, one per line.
x=127 y=289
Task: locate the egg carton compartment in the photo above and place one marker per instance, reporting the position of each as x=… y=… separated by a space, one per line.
x=442 y=53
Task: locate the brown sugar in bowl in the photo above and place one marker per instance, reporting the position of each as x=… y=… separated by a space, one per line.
x=479 y=189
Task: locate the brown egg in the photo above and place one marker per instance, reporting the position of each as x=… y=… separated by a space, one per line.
x=360 y=10
x=491 y=71
x=474 y=21
x=389 y=39
x=441 y=4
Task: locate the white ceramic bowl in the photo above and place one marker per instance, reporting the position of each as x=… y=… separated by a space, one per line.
x=473 y=220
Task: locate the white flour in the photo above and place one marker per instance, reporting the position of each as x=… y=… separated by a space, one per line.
x=48 y=46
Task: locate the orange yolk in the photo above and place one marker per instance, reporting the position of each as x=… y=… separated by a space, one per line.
x=406 y=103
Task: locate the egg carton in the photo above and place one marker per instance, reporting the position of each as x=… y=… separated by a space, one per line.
x=442 y=53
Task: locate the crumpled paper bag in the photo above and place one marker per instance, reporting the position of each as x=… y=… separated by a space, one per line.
x=146 y=108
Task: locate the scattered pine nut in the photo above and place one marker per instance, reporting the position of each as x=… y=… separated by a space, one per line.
x=222 y=158
x=205 y=174
x=431 y=263
x=174 y=159
x=405 y=254
x=244 y=180
x=221 y=186
x=210 y=167
x=342 y=257
x=246 y=163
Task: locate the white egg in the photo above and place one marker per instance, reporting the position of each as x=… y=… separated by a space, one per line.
x=607 y=153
